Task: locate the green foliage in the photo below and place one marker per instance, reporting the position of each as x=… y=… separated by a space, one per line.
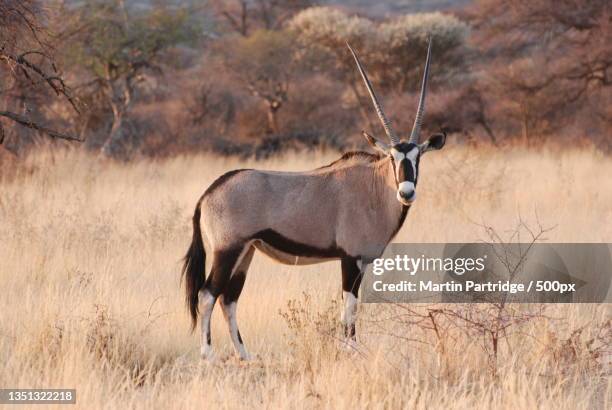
x=111 y=45
x=264 y=56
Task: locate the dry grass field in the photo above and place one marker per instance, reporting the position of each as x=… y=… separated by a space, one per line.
x=90 y=254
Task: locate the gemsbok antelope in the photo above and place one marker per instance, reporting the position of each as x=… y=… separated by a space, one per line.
x=348 y=210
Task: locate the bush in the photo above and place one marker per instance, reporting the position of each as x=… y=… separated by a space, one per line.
x=331 y=28
x=403 y=45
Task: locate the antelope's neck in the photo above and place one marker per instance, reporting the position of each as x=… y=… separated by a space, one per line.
x=386 y=195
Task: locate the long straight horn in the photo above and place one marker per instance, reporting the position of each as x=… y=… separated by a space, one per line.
x=418 y=120
x=383 y=119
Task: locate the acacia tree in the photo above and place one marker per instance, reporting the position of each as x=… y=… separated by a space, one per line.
x=402 y=43
x=323 y=33
x=393 y=51
x=28 y=69
x=119 y=49
x=263 y=63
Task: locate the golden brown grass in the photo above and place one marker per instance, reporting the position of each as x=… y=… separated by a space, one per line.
x=89 y=273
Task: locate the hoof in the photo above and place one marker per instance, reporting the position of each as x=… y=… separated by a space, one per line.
x=207 y=353
x=245 y=357
x=349 y=345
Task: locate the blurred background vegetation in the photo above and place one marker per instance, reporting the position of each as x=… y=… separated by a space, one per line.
x=133 y=78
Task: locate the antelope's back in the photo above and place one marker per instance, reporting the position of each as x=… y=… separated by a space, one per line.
x=300 y=206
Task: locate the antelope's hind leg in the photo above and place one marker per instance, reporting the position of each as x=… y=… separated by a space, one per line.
x=351 y=280
x=220 y=273
x=229 y=300
x=207 y=303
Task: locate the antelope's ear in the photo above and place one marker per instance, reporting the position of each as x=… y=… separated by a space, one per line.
x=376 y=144
x=434 y=142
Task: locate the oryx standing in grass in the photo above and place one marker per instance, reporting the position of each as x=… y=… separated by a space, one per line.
x=349 y=210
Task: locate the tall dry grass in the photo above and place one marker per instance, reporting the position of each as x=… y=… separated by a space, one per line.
x=89 y=274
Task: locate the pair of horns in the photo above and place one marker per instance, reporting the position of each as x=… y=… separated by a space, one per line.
x=416 y=128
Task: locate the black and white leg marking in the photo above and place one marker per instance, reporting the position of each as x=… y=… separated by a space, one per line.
x=351 y=280
x=223 y=264
x=207 y=303
x=229 y=301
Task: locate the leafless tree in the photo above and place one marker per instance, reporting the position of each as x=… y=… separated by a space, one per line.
x=28 y=67
x=264 y=65
x=547 y=59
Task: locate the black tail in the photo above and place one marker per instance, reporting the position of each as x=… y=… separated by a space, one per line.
x=194 y=268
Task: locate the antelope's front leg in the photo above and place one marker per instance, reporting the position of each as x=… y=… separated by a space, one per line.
x=351 y=280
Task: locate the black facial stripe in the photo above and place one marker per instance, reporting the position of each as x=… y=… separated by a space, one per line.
x=405 y=146
x=406 y=172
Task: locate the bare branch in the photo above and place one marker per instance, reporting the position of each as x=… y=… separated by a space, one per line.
x=26 y=122
x=54 y=81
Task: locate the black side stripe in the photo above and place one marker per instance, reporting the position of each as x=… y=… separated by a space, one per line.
x=291 y=247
